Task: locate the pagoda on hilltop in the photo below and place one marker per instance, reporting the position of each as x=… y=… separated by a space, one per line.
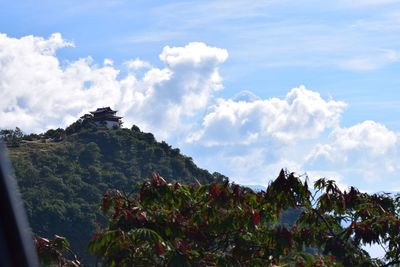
x=105 y=117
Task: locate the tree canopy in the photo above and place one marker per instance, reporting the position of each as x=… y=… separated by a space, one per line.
x=224 y=224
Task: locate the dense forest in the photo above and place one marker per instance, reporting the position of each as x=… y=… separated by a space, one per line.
x=63 y=173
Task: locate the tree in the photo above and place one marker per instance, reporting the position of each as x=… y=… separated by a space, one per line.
x=54 y=252
x=90 y=154
x=86 y=122
x=57 y=135
x=12 y=138
x=224 y=224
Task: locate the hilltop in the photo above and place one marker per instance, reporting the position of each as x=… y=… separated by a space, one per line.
x=63 y=173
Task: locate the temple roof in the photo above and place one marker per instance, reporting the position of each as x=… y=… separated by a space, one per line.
x=102 y=110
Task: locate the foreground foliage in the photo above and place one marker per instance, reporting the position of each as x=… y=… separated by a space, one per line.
x=224 y=224
x=55 y=252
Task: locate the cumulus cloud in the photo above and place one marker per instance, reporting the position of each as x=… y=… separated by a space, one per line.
x=367 y=152
x=302 y=114
x=368 y=136
x=108 y=62
x=137 y=64
x=179 y=90
x=36 y=91
x=252 y=167
x=195 y=54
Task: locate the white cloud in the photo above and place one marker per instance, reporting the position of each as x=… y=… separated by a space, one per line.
x=375 y=61
x=302 y=114
x=252 y=167
x=365 y=153
x=108 y=62
x=249 y=164
x=36 y=91
x=195 y=54
x=368 y=136
x=137 y=64
x=178 y=91
x=321 y=151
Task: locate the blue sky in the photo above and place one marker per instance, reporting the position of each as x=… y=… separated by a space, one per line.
x=244 y=88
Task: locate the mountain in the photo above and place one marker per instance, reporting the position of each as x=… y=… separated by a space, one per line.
x=63 y=174
x=255 y=187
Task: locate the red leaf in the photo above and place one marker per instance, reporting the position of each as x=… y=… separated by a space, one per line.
x=214 y=190
x=159 y=248
x=161 y=180
x=142 y=217
x=157 y=180
x=177 y=185
x=42 y=241
x=256 y=217
x=154 y=179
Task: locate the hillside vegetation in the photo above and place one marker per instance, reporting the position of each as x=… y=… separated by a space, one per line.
x=63 y=174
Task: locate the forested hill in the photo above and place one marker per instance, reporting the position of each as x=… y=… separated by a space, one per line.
x=62 y=174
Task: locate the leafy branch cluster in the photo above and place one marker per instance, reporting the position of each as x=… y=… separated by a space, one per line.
x=53 y=252
x=224 y=224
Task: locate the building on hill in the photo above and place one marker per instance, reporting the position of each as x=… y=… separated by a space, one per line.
x=106 y=117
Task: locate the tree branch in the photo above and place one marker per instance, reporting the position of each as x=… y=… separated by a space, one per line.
x=325 y=222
